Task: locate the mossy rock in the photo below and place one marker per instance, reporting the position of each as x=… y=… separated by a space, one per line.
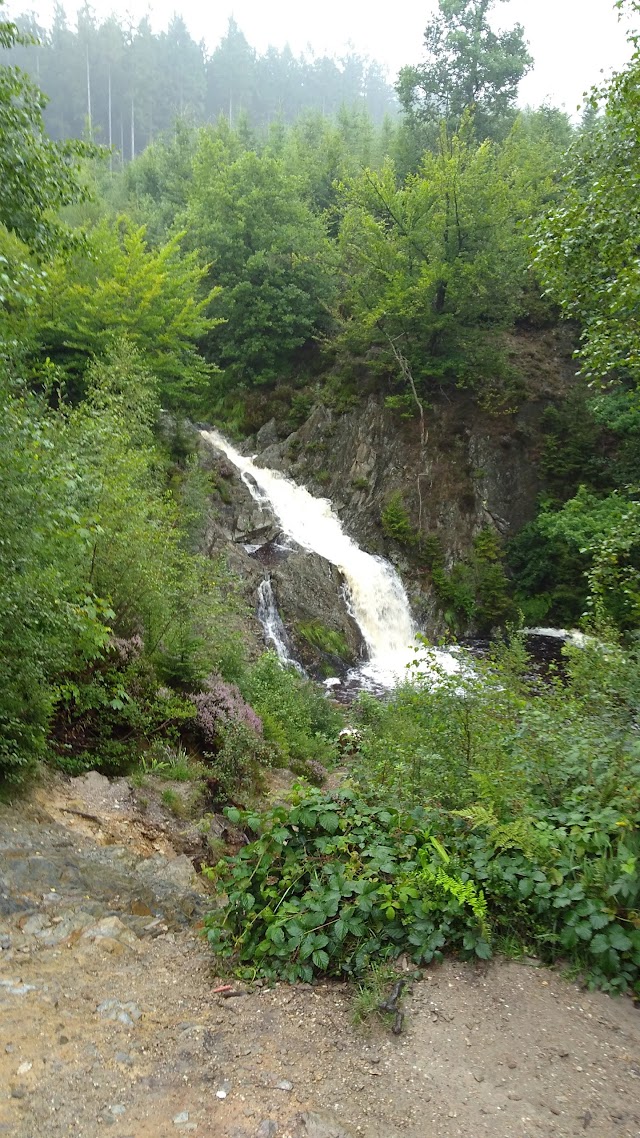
x=324 y=639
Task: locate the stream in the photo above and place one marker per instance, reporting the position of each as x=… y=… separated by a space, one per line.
x=375 y=595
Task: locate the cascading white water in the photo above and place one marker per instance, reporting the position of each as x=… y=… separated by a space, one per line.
x=377 y=599
x=274 y=629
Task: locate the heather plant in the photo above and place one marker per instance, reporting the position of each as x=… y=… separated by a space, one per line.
x=237 y=768
x=216 y=706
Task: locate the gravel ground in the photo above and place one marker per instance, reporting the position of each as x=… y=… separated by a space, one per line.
x=110 y=1025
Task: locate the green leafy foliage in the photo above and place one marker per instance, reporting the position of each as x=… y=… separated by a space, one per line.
x=104 y=716
x=475 y=593
x=119 y=286
x=469 y=67
x=396 y=522
x=517 y=820
x=437 y=266
x=37 y=176
x=587 y=245
x=332 y=885
x=270 y=253
x=296 y=717
x=91 y=548
x=606 y=532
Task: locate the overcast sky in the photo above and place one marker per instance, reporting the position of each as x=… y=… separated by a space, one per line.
x=572 y=41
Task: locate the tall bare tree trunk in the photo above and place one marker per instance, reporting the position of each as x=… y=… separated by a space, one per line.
x=89 y=119
x=110 y=121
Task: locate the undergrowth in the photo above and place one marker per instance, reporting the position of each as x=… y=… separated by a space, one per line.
x=517 y=823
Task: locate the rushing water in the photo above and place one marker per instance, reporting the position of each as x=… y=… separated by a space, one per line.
x=376 y=596
x=274 y=630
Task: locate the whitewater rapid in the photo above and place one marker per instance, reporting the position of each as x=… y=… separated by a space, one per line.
x=376 y=597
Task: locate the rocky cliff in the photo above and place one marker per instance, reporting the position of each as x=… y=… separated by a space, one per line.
x=465 y=471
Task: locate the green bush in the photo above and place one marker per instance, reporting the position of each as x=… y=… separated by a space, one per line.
x=297 y=718
x=483 y=813
x=475 y=593
x=104 y=716
x=236 y=769
x=332 y=885
x=92 y=551
x=396 y=523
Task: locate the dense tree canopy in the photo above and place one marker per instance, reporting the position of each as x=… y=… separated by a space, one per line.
x=118 y=287
x=588 y=246
x=270 y=254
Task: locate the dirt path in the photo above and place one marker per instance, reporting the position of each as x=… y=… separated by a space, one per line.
x=109 y=1025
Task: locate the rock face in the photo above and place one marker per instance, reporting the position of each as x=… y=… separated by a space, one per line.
x=473 y=470
x=309 y=592
x=470 y=470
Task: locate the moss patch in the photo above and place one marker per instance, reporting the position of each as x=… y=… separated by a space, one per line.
x=324 y=639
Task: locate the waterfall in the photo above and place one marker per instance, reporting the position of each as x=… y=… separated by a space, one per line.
x=376 y=596
x=274 y=629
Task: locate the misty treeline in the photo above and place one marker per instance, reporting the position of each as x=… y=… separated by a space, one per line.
x=123 y=85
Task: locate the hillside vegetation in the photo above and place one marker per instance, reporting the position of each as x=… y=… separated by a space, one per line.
x=246 y=269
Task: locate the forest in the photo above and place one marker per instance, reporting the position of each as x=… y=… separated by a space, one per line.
x=124 y=86
x=238 y=238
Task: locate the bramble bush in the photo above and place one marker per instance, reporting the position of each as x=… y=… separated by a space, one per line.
x=516 y=825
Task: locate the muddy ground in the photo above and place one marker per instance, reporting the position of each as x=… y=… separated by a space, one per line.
x=110 y=1024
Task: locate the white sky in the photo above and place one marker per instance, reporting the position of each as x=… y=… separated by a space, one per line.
x=572 y=41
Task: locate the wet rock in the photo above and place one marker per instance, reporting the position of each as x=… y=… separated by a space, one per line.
x=267 y=436
x=310 y=591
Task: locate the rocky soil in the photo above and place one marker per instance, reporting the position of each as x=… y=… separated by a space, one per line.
x=110 y=1023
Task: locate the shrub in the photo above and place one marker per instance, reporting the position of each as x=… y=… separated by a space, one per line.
x=107 y=714
x=475 y=592
x=332 y=885
x=219 y=704
x=235 y=770
x=483 y=811
x=396 y=523
x=297 y=717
